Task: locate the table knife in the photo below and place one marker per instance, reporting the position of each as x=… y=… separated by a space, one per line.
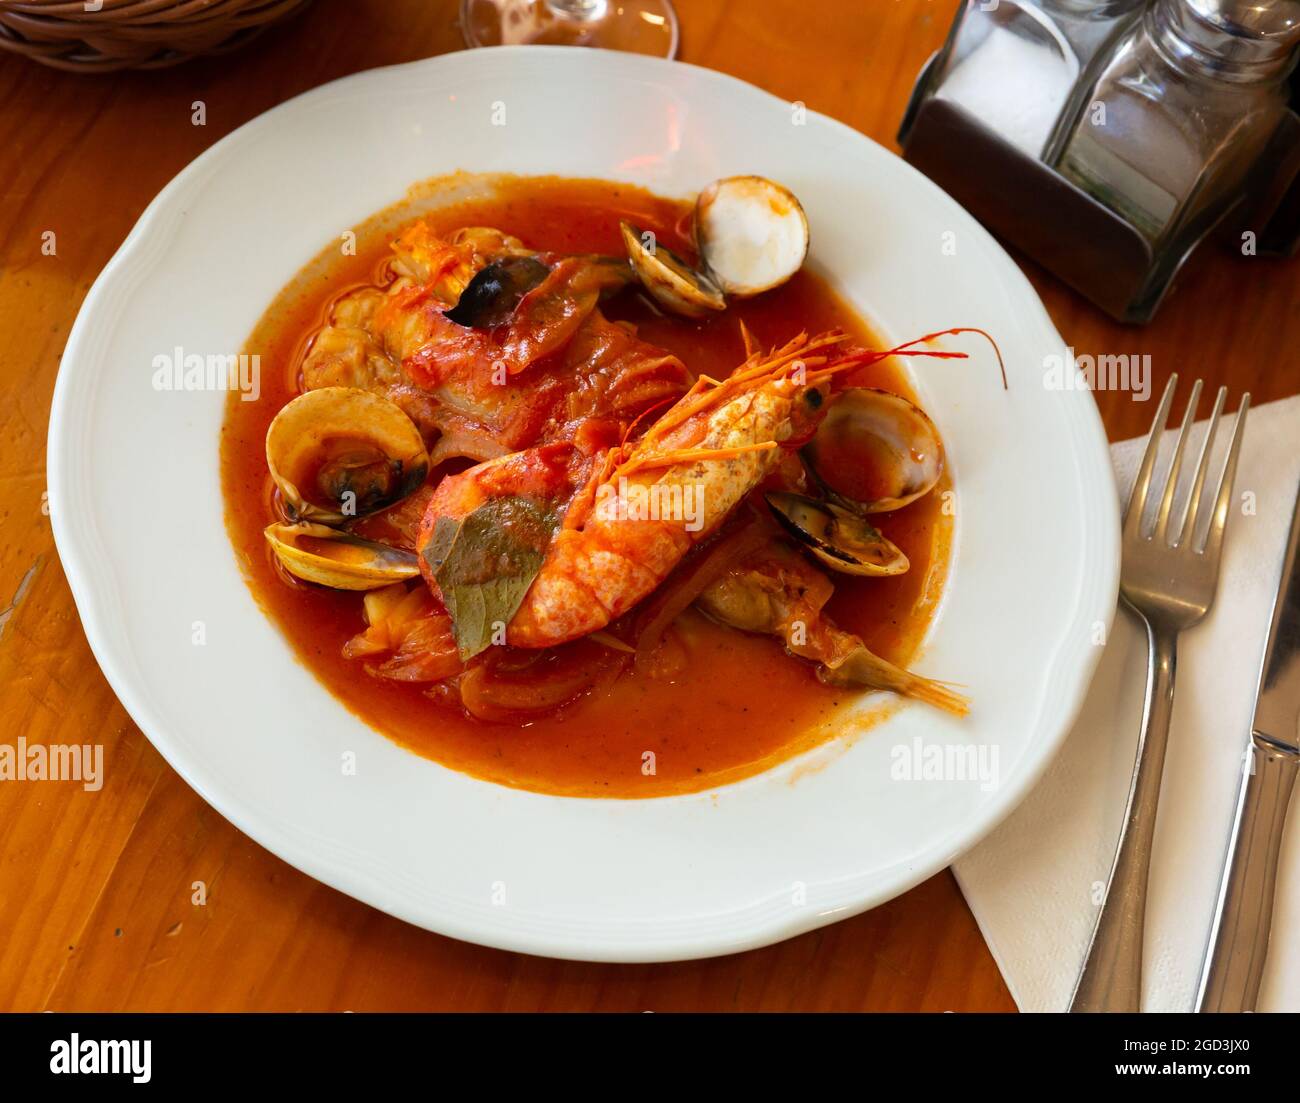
x=1238 y=945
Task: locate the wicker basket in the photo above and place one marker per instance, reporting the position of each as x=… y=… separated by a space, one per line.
x=138 y=34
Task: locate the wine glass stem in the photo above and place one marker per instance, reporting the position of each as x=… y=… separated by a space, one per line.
x=580 y=10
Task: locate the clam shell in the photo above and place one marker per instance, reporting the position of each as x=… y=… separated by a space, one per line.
x=752 y=234
x=325 y=423
x=339 y=560
x=672 y=283
x=867 y=429
x=841 y=539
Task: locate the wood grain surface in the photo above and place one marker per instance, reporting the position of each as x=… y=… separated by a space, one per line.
x=96 y=908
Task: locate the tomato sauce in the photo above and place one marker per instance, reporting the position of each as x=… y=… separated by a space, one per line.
x=739 y=704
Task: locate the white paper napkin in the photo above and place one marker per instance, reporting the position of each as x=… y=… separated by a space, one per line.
x=1031 y=884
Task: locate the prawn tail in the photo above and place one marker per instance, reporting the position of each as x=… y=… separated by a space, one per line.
x=864 y=668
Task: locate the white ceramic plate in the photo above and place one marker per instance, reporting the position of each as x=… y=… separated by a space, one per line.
x=138 y=518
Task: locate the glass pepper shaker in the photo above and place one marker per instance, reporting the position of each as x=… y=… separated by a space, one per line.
x=1170 y=128
x=1016 y=65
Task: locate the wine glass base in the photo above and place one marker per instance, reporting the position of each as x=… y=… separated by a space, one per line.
x=636 y=26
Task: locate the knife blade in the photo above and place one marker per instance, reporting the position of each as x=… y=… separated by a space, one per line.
x=1238 y=942
x=1277 y=708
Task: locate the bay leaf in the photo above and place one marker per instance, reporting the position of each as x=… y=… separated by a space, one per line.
x=485 y=562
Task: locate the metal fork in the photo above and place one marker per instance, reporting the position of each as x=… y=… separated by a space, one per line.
x=1170 y=583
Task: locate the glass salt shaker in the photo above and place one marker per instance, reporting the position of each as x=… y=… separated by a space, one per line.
x=1016 y=65
x=1169 y=129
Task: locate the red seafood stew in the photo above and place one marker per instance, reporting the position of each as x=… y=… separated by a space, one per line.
x=706 y=703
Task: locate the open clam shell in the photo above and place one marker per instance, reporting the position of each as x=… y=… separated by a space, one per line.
x=752 y=234
x=339 y=560
x=875 y=451
x=338 y=452
x=673 y=283
x=841 y=539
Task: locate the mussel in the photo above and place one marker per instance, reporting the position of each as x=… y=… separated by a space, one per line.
x=493 y=294
x=673 y=284
x=840 y=538
x=338 y=452
x=875 y=451
x=751 y=236
x=339 y=560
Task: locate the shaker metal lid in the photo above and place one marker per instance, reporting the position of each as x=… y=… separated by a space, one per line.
x=1236 y=39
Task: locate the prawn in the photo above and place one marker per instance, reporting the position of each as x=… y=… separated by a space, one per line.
x=713 y=447
x=778 y=592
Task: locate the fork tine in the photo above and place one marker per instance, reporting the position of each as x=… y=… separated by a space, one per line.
x=1175 y=466
x=1137 y=501
x=1192 y=511
x=1214 y=538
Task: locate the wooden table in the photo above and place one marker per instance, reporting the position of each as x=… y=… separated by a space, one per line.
x=95 y=888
